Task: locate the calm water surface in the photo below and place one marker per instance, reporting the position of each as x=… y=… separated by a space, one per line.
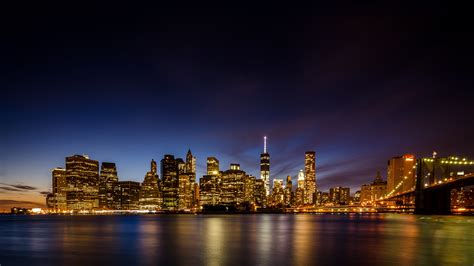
x=266 y=239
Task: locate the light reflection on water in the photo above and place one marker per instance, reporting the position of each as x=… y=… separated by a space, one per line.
x=267 y=239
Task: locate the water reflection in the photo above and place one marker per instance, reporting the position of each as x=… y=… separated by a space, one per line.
x=271 y=239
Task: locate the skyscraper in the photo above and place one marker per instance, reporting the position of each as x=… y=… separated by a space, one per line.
x=126 y=195
x=209 y=184
x=150 y=194
x=232 y=185
x=299 y=193
x=260 y=193
x=58 y=199
x=208 y=190
x=212 y=166
x=190 y=163
x=249 y=189
x=277 y=196
x=187 y=183
x=169 y=175
x=400 y=170
x=265 y=166
x=288 y=191
x=310 y=177
x=108 y=176
x=82 y=177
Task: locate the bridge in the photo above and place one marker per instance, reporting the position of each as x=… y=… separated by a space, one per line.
x=434 y=180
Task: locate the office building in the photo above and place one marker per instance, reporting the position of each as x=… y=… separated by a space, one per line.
x=57 y=199
x=400 y=171
x=108 y=176
x=82 y=177
x=288 y=194
x=151 y=197
x=310 y=187
x=126 y=195
x=212 y=166
x=170 y=182
x=232 y=185
x=300 y=190
x=265 y=167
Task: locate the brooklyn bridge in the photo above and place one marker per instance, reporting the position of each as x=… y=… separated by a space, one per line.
x=435 y=178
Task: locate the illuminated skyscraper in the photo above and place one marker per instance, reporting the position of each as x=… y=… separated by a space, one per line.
x=150 y=194
x=126 y=195
x=299 y=193
x=82 y=177
x=58 y=197
x=288 y=192
x=232 y=185
x=277 y=195
x=190 y=163
x=187 y=181
x=339 y=195
x=212 y=166
x=170 y=183
x=249 y=189
x=265 y=166
x=397 y=169
x=209 y=184
x=108 y=176
x=310 y=177
x=185 y=191
x=208 y=190
x=260 y=193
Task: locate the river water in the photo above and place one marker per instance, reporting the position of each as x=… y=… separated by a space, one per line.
x=260 y=239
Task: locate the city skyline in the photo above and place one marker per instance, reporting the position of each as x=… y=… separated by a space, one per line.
x=22 y=188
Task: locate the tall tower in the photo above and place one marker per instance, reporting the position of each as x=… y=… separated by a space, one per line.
x=310 y=177
x=190 y=163
x=169 y=176
x=265 y=166
x=108 y=176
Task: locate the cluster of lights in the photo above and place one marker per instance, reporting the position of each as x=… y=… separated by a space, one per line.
x=451 y=160
x=457 y=162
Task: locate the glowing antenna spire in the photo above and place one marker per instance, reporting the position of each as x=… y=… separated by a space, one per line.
x=265 y=144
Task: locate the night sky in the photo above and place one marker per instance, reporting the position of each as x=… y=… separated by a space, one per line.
x=357 y=84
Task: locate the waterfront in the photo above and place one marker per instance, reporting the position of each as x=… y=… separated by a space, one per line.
x=266 y=239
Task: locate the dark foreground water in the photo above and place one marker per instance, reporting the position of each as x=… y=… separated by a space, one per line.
x=268 y=239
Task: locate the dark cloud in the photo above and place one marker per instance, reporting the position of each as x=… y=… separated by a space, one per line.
x=44 y=193
x=10 y=189
x=24 y=187
x=18 y=187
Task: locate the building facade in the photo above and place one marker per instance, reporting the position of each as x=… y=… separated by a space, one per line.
x=82 y=177
x=126 y=195
x=108 y=176
x=57 y=199
x=151 y=197
x=310 y=187
x=401 y=174
x=170 y=182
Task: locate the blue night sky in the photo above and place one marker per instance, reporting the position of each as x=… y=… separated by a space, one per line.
x=124 y=84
